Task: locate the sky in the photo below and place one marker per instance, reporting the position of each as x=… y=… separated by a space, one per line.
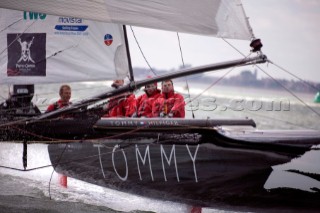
x=289 y=31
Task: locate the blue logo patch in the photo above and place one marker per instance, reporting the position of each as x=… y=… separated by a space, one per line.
x=80 y=28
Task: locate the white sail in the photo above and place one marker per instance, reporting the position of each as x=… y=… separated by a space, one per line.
x=40 y=48
x=221 y=18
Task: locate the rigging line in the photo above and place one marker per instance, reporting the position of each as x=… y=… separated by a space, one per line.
x=279 y=82
x=78 y=89
x=87 y=157
x=44 y=100
x=18 y=37
x=214 y=83
x=276 y=80
x=185 y=77
x=305 y=82
x=10 y=25
x=25 y=170
x=180 y=50
x=288 y=90
x=142 y=51
x=14 y=108
x=283 y=121
x=121 y=134
x=59 y=163
x=21 y=121
x=40 y=136
x=55 y=140
x=90 y=156
x=49 y=189
x=233 y=47
x=70 y=161
x=57 y=52
x=24 y=120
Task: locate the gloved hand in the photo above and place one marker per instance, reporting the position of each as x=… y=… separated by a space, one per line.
x=170 y=115
x=162 y=115
x=134 y=115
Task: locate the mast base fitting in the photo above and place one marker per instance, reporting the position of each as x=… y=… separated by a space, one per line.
x=256 y=45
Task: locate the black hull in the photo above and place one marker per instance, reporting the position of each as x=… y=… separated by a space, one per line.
x=184 y=160
x=205 y=173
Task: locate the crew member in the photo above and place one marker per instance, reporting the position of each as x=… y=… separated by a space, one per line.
x=65 y=95
x=145 y=101
x=169 y=103
x=124 y=105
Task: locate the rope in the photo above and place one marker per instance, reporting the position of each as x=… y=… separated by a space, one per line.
x=74 y=160
x=57 y=140
x=305 y=82
x=55 y=165
x=180 y=49
x=17 y=36
x=10 y=25
x=214 y=83
x=233 y=47
x=43 y=137
x=142 y=51
x=283 y=121
x=184 y=67
x=25 y=170
x=288 y=90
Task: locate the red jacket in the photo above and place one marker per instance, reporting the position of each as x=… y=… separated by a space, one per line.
x=56 y=105
x=169 y=103
x=145 y=102
x=123 y=106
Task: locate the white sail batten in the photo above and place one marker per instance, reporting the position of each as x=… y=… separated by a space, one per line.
x=48 y=49
x=220 y=18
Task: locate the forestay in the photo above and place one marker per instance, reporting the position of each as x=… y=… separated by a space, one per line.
x=221 y=18
x=41 y=48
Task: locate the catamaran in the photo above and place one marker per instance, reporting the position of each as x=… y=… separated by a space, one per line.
x=196 y=161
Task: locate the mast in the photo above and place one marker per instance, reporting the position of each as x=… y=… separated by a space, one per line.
x=131 y=77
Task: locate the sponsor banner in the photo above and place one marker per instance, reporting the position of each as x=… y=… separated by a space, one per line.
x=39 y=48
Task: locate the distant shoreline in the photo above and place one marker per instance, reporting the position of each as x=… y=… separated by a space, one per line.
x=246 y=78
